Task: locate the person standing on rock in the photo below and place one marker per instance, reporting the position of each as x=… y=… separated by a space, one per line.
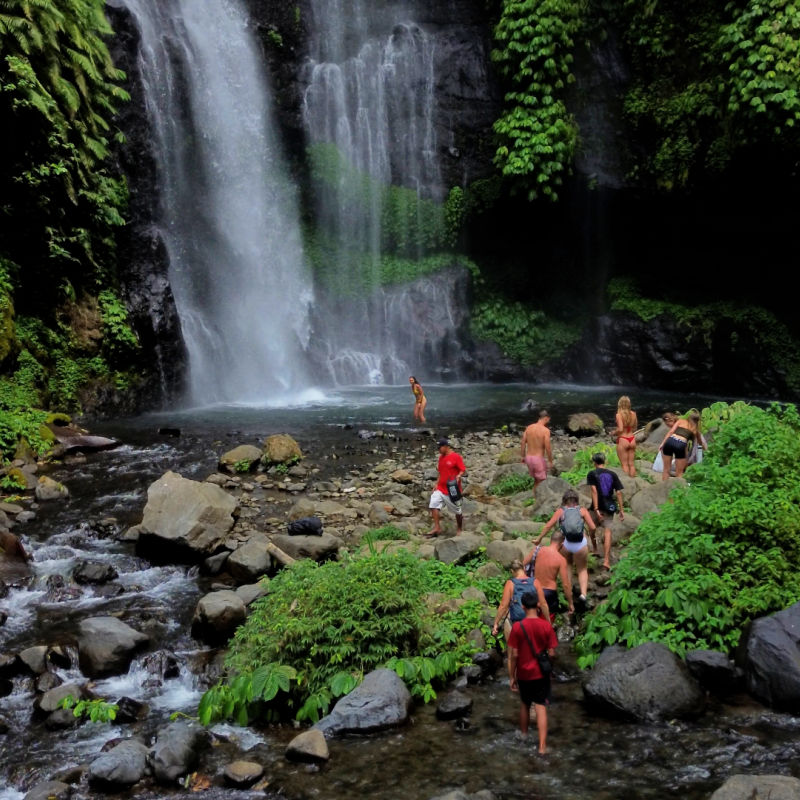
x=625 y=435
x=448 y=489
x=510 y=609
x=419 y=400
x=531 y=636
x=605 y=484
x=572 y=519
x=676 y=443
x=547 y=565
x=535 y=448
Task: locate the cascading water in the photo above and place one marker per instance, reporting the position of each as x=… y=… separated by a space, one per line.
x=228 y=213
x=369 y=110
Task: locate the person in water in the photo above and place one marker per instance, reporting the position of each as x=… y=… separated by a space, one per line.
x=535 y=447
x=683 y=434
x=510 y=609
x=530 y=636
x=419 y=400
x=625 y=435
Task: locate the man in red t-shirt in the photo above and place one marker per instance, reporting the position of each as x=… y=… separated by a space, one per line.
x=451 y=468
x=523 y=666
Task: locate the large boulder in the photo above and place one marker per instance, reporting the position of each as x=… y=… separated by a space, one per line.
x=584 y=423
x=250 y=561
x=106 y=646
x=317 y=548
x=184 y=519
x=281 y=449
x=243 y=458
x=120 y=767
x=755 y=787
x=714 y=671
x=654 y=496
x=176 y=750
x=772 y=659
x=506 y=552
x=458 y=548
x=648 y=682
x=217 y=615
x=381 y=701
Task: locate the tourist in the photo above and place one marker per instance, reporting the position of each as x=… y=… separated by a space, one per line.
x=535 y=448
x=625 y=435
x=547 y=564
x=451 y=468
x=531 y=636
x=572 y=519
x=420 y=400
x=605 y=484
x=510 y=609
x=683 y=433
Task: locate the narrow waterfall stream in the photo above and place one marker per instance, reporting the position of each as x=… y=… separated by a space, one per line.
x=228 y=214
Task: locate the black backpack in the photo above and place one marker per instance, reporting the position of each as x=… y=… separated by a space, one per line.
x=306 y=526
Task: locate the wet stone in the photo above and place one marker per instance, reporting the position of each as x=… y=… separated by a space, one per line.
x=242 y=774
x=453 y=705
x=93 y=572
x=49 y=790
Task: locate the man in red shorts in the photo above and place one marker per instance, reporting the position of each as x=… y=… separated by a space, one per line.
x=528 y=635
x=535 y=447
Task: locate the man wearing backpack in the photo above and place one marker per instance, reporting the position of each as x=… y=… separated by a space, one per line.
x=451 y=468
x=530 y=639
x=604 y=484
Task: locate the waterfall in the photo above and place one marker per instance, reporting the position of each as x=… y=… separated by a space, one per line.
x=369 y=110
x=228 y=213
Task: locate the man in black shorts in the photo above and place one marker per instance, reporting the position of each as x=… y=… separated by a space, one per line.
x=606 y=501
x=533 y=633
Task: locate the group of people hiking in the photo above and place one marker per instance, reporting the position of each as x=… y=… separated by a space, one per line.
x=530 y=599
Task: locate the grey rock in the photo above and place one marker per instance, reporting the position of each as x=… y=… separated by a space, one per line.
x=213 y=565
x=381 y=701
x=317 y=548
x=453 y=705
x=458 y=548
x=119 y=768
x=252 y=591
x=309 y=746
x=654 y=495
x=61 y=719
x=47 y=489
x=50 y=790
x=754 y=787
x=714 y=671
x=35 y=659
x=505 y=552
x=176 y=750
x=106 y=645
x=217 y=615
x=244 y=453
x=93 y=572
x=250 y=561
x=242 y=774
x=648 y=682
x=51 y=699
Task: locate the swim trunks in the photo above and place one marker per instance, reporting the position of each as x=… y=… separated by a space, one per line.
x=537 y=467
x=440 y=500
x=537 y=691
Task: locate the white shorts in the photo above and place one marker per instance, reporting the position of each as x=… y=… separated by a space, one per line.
x=575 y=547
x=440 y=500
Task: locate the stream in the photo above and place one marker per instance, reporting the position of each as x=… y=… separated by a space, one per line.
x=590 y=756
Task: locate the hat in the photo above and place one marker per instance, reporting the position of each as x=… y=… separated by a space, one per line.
x=443 y=443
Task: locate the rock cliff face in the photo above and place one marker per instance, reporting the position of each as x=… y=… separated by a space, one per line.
x=143 y=264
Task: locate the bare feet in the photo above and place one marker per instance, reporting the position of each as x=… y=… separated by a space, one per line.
x=435 y=532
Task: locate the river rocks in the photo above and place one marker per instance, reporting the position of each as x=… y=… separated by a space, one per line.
x=51 y=700
x=106 y=645
x=584 y=424
x=654 y=495
x=402 y=476
x=381 y=701
x=176 y=750
x=93 y=572
x=252 y=591
x=250 y=561
x=217 y=615
x=648 y=682
x=281 y=449
x=458 y=548
x=459 y=794
x=47 y=489
x=309 y=746
x=754 y=787
x=185 y=519
x=119 y=768
x=772 y=659
x=50 y=790
x=241 y=774
x=453 y=705
x=243 y=458
x=317 y=548
x=714 y=671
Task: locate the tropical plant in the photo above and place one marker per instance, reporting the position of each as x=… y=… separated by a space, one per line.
x=97 y=710
x=722 y=551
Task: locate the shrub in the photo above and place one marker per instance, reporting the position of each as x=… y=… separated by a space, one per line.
x=723 y=551
x=583 y=462
x=322 y=627
x=511 y=484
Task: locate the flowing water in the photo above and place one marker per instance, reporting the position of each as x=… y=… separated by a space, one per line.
x=227 y=212
x=591 y=757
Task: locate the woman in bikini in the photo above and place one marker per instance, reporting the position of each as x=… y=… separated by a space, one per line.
x=626 y=440
x=676 y=443
x=419 y=400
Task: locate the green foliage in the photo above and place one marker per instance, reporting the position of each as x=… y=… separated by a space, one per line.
x=242 y=466
x=537 y=136
x=322 y=627
x=119 y=338
x=511 y=484
x=723 y=551
x=13 y=481
x=275 y=39
x=709 y=80
x=524 y=334
x=98 y=710
x=583 y=462
x=770 y=336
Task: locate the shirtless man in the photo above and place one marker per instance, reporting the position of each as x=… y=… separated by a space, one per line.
x=549 y=564
x=535 y=447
